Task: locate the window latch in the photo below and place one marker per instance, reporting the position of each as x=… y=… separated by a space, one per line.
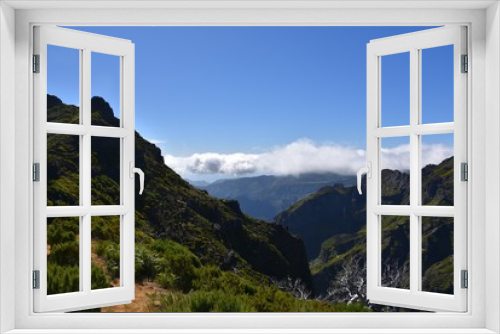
x=365 y=170
x=141 y=176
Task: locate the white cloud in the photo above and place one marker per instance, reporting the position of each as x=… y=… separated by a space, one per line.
x=214 y=163
x=301 y=156
x=157 y=141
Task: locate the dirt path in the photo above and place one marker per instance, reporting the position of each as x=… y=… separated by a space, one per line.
x=142 y=302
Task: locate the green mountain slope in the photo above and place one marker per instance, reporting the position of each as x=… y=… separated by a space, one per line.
x=332 y=223
x=205 y=253
x=329 y=211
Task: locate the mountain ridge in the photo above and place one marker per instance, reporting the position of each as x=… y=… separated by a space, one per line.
x=170 y=209
x=265 y=196
x=332 y=224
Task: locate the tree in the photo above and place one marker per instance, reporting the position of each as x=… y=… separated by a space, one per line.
x=349 y=284
x=295 y=287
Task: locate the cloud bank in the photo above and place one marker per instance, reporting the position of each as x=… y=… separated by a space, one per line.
x=299 y=157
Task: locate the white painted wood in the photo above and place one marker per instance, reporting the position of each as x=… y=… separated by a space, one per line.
x=420 y=210
x=247 y=4
x=257 y=331
x=491 y=170
x=94 y=130
x=7 y=166
x=418 y=129
x=471 y=322
x=413 y=43
x=86 y=298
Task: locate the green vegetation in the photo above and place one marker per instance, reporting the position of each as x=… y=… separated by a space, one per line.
x=269 y=300
x=200 y=253
x=222 y=291
x=437 y=232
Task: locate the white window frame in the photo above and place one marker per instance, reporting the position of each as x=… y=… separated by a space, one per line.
x=86 y=44
x=414 y=43
x=483 y=21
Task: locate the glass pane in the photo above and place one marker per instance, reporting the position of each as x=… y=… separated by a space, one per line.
x=395 y=252
x=63 y=170
x=63 y=255
x=395 y=166
x=437 y=170
x=63 y=85
x=395 y=90
x=105 y=89
x=105 y=252
x=437 y=254
x=105 y=171
x=437 y=84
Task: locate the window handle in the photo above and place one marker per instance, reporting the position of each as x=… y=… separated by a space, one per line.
x=365 y=170
x=141 y=176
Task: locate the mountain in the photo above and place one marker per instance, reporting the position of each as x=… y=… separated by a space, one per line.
x=332 y=224
x=437 y=254
x=205 y=251
x=263 y=197
x=329 y=211
x=198 y=184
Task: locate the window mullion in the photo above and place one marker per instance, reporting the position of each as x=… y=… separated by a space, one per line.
x=414 y=169
x=86 y=167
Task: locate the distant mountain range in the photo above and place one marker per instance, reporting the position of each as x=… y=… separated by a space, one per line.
x=264 y=197
x=198 y=184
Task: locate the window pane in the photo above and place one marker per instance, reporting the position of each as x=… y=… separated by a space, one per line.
x=63 y=85
x=437 y=84
x=437 y=170
x=395 y=252
x=437 y=254
x=395 y=167
x=63 y=170
x=63 y=255
x=105 y=171
x=395 y=94
x=105 y=89
x=105 y=252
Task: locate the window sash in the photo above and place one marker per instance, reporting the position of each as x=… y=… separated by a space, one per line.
x=414 y=298
x=86 y=298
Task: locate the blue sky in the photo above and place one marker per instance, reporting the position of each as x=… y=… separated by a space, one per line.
x=253 y=90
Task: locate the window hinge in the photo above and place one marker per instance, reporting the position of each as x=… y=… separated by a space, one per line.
x=36 y=279
x=465 y=64
x=36 y=172
x=464 y=279
x=36 y=63
x=464 y=171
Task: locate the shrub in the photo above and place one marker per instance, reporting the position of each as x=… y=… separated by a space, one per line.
x=106 y=228
x=62 y=279
x=65 y=254
x=146 y=264
x=183 y=267
x=110 y=252
x=99 y=280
